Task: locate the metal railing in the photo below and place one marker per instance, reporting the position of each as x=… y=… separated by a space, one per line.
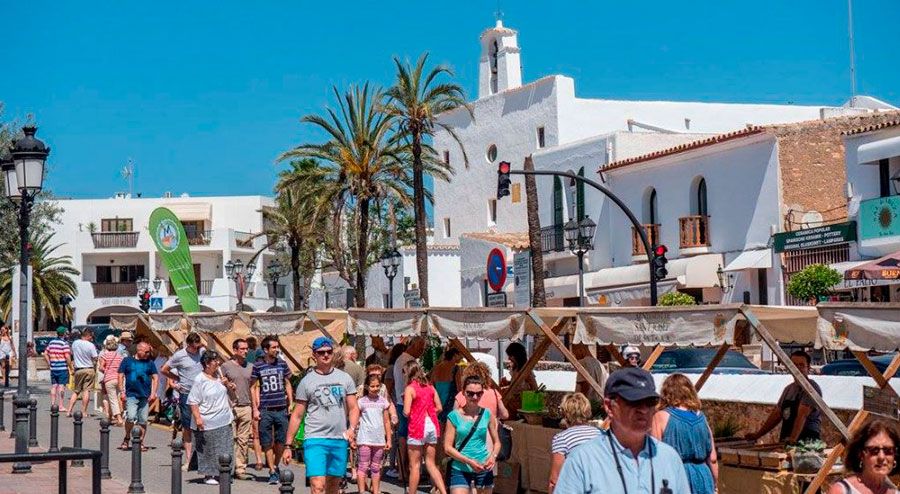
x=106 y=290
x=693 y=231
x=203 y=288
x=553 y=239
x=243 y=239
x=637 y=247
x=63 y=456
x=202 y=237
x=115 y=240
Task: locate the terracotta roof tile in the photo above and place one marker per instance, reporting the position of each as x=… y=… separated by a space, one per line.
x=709 y=141
x=872 y=127
x=513 y=240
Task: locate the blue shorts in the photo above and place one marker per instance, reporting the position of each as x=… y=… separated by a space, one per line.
x=402 y=422
x=325 y=457
x=273 y=425
x=60 y=377
x=479 y=480
x=184 y=410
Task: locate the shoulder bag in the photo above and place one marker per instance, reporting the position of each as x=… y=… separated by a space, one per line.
x=462 y=445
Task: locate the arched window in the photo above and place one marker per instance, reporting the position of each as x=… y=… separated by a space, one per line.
x=579 y=196
x=494 y=50
x=557 y=202
x=702 y=209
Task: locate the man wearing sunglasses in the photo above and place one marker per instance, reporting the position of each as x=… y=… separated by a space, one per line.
x=328 y=398
x=625 y=458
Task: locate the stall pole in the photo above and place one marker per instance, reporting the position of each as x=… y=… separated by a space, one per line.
x=565 y=351
x=657 y=351
x=455 y=343
x=858 y=420
x=712 y=365
x=313 y=319
x=536 y=355
x=614 y=351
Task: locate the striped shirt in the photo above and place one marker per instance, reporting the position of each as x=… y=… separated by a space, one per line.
x=565 y=441
x=110 y=366
x=57 y=351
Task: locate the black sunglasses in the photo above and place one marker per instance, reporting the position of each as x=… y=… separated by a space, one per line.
x=474 y=394
x=324 y=352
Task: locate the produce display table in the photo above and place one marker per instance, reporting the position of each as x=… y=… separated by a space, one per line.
x=531 y=450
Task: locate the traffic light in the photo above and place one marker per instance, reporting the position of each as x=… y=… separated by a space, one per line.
x=503 y=179
x=660 y=261
x=144 y=299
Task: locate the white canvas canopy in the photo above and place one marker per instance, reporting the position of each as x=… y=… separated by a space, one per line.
x=859 y=327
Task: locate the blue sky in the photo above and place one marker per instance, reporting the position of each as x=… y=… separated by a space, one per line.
x=204 y=95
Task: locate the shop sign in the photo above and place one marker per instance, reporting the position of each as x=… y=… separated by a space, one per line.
x=811 y=238
x=522 y=273
x=882 y=402
x=496 y=299
x=879 y=217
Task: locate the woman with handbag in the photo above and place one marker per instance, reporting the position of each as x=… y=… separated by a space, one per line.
x=108 y=379
x=471 y=463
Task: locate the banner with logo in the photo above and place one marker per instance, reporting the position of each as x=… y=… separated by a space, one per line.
x=478 y=324
x=697 y=326
x=172 y=245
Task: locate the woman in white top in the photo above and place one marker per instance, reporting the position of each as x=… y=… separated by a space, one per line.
x=7 y=353
x=211 y=418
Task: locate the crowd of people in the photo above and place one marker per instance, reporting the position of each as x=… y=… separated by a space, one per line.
x=447 y=422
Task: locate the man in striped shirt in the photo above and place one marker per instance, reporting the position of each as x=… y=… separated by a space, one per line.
x=58 y=355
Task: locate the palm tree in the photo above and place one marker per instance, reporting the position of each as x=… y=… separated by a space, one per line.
x=416 y=99
x=359 y=167
x=52 y=277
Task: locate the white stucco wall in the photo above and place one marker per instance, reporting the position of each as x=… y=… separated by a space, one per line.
x=864 y=184
x=473 y=269
x=443 y=275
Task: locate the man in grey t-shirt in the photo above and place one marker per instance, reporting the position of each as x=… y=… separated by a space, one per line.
x=328 y=398
x=186 y=362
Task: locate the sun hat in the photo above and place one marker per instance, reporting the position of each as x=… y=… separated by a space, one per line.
x=630 y=350
x=126 y=335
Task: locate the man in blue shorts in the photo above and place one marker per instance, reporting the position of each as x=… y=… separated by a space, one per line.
x=181 y=370
x=271 y=394
x=137 y=376
x=328 y=398
x=58 y=355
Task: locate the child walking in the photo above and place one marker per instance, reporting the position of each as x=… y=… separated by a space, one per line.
x=422 y=404
x=374 y=436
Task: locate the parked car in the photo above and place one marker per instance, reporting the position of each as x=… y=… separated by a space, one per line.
x=695 y=361
x=852 y=367
x=41 y=342
x=101 y=331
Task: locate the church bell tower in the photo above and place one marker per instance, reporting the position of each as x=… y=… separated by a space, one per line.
x=500 y=67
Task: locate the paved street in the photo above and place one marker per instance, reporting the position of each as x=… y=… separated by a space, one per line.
x=156 y=462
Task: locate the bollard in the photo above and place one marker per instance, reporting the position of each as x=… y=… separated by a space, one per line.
x=177 y=453
x=136 y=486
x=32 y=423
x=287 y=482
x=225 y=474
x=2 y=412
x=76 y=436
x=54 y=429
x=104 y=449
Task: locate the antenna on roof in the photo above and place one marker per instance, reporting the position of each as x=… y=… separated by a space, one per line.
x=852 y=59
x=128 y=174
x=498 y=15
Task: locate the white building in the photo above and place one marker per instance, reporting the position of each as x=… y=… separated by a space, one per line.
x=111 y=247
x=545 y=119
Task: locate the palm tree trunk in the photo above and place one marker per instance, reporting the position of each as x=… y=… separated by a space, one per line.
x=421 y=232
x=538 y=297
x=294 y=245
x=362 y=253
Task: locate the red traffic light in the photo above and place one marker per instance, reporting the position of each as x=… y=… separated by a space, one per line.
x=503 y=167
x=660 y=250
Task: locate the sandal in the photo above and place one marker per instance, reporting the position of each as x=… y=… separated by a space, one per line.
x=144 y=449
x=124 y=446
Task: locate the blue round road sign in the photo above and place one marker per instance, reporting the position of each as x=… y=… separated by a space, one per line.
x=496 y=270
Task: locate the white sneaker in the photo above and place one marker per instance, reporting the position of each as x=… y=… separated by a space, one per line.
x=184 y=467
x=210 y=481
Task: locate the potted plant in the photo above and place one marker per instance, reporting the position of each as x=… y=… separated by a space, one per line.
x=807 y=456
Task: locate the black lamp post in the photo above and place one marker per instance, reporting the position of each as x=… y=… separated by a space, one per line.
x=274 y=272
x=240 y=274
x=144 y=292
x=23 y=175
x=580 y=236
x=726 y=280
x=390 y=261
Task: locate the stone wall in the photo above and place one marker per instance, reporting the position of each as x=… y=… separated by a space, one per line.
x=749 y=416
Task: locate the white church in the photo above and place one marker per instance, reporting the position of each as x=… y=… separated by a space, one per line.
x=544 y=119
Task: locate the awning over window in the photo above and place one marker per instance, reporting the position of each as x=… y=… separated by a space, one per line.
x=885 y=268
x=878 y=150
x=751 y=259
x=628 y=296
x=191 y=211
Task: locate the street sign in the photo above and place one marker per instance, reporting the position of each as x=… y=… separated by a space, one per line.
x=496 y=299
x=809 y=238
x=522 y=270
x=413 y=298
x=496 y=270
x=156 y=303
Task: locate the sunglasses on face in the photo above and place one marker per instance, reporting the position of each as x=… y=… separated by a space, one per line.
x=324 y=353
x=474 y=394
x=633 y=357
x=645 y=403
x=874 y=450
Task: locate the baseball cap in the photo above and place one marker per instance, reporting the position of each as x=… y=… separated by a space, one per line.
x=61 y=330
x=630 y=350
x=632 y=384
x=322 y=342
x=126 y=335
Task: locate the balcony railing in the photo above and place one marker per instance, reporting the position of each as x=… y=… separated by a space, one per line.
x=693 y=232
x=203 y=288
x=243 y=239
x=107 y=290
x=553 y=239
x=202 y=237
x=637 y=247
x=114 y=240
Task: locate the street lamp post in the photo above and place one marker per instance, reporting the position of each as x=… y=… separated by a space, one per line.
x=390 y=261
x=236 y=271
x=274 y=272
x=580 y=236
x=144 y=291
x=23 y=175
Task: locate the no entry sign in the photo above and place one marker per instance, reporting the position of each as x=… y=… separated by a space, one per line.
x=496 y=270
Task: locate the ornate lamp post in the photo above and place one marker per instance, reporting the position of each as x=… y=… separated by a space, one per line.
x=144 y=292
x=726 y=280
x=236 y=271
x=580 y=236
x=23 y=175
x=390 y=261
x=274 y=271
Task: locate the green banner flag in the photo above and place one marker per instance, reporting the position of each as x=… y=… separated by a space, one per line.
x=172 y=244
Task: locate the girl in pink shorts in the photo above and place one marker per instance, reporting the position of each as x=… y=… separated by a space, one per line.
x=374 y=436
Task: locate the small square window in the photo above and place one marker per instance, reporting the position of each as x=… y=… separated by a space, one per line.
x=492 y=211
x=540 y=137
x=446 y=157
x=447 y=227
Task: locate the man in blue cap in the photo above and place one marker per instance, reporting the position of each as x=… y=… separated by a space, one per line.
x=625 y=458
x=328 y=398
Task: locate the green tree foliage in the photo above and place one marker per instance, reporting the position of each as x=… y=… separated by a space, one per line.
x=813 y=281
x=676 y=298
x=52 y=277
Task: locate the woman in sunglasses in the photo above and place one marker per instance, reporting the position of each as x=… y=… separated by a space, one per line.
x=471 y=463
x=871 y=457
